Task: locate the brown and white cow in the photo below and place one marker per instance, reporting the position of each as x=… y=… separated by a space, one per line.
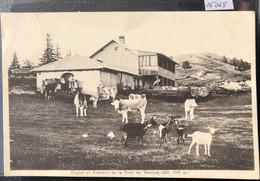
x=49 y=87
x=80 y=102
x=122 y=106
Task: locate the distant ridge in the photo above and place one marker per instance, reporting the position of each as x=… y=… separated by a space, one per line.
x=206 y=69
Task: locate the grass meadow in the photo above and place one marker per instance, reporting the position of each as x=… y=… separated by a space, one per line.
x=46 y=135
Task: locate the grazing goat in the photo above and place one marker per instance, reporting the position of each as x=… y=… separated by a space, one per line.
x=136 y=130
x=189 y=106
x=80 y=102
x=202 y=138
x=180 y=132
x=122 y=106
x=164 y=130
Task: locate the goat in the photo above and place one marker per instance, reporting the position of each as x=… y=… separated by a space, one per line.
x=180 y=132
x=202 y=138
x=136 y=130
x=164 y=130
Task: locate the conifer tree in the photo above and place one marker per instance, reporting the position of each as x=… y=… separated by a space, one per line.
x=49 y=54
x=15 y=63
x=57 y=53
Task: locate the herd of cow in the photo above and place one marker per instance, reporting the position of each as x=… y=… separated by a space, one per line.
x=138 y=102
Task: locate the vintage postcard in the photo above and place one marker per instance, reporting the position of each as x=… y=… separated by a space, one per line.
x=130 y=94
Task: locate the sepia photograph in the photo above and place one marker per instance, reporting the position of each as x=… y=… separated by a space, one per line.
x=130 y=94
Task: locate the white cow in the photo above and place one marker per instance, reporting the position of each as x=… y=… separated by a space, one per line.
x=137 y=96
x=80 y=102
x=107 y=92
x=125 y=105
x=189 y=106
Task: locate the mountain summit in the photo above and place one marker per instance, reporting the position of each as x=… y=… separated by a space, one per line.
x=206 y=68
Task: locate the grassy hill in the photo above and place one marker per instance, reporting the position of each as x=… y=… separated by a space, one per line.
x=206 y=69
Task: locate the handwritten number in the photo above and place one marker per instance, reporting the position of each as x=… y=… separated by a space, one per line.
x=224 y=4
x=221 y=4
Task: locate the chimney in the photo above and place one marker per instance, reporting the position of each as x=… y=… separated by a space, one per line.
x=122 y=39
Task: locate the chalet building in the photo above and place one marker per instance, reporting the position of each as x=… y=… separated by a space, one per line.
x=151 y=66
x=89 y=72
x=114 y=65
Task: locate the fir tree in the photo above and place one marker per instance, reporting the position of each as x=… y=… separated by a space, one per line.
x=15 y=63
x=28 y=64
x=49 y=54
x=57 y=53
x=224 y=59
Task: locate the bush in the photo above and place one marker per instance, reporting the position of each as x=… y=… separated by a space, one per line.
x=224 y=59
x=243 y=66
x=186 y=65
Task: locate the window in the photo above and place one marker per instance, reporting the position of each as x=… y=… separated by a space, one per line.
x=164 y=64
x=163 y=81
x=149 y=57
x=159 y=62
x=116 y=48
x=141 y=63
x=168 y=65
x=170 y=82
x=145 y=60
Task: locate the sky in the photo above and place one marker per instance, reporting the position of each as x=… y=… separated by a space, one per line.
x=173 y=33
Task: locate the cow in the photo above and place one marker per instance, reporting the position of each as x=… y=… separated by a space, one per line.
x=101 y=92
x=122 y=106
x=49 y=87
x=189 y=106
x=80 y=102
x=106 y=93
x=136 y=96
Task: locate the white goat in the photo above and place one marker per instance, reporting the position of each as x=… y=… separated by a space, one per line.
x=203 y=139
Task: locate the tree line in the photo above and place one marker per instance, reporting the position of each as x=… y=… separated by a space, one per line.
x=239 y=64
x=50 y=54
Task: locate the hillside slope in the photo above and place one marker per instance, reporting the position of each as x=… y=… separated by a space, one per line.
x=206 y=69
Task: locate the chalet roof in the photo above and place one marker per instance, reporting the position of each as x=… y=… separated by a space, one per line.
x=138 y=52
x=76 y=63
